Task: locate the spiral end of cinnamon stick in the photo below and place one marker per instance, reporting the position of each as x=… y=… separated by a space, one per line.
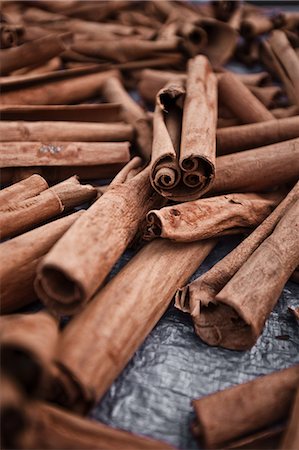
x=166 y=178
x=153 y=226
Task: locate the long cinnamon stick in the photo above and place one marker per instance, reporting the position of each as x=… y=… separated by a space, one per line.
x=20 y=257
x=211 y=217
x=244 y=137
x=120 y=316
x=79 y=263
x=23 y=190
x=28 y=345
x=246 y=408
x=258 y=169
x=291 y=438
x=65 y=131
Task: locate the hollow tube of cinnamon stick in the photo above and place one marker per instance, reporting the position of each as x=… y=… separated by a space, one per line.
x=33 y=52
x=54 y=428
x=238 y=98
x=255 y=24
x=70 y=274
x=113 y=91
x=23 y=190
x=20 y=257
x=151 y=81
x=15 y=218
x=103 y=112
x=245 y=302
x=28 y=346
x=249 y=406
x=210 y=217
x=202 y=291
x=71 y=90
x=244 y=137
x=72 y=193
x=291 y=438
x=257 y=169
x=121 y=315
x=65 y=131
x=53 y=153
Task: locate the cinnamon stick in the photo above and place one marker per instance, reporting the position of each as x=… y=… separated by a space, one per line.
x=65 y=131
x=151 y=81
x=74 y=269
x=255 y=24
x=268 y=95
x=72 y=193
x=254 y=79
x=22 y=256
x=244 y=137
x=28 y=345
x=210 y=217
x=134 y=300
x=182 y=167
x=258 y=169
x=291 y=438
x=238 y=98
x=23 y=190
x=250 y=407
x=33 y=52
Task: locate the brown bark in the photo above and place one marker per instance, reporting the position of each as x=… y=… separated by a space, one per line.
x=103 y=112
x=244 y=137
x=250 y=407
x=64 y=131
x=74 y=269
x=258 y=169
x=114 y=332
x=22 y=190
x=72 y=193
x=291 y=438
x=151 y=81
x=16 y=218
x=290 y=111
x=238 y=98
x=64 y=91
x=255 y=24
x=210 y=217
x=224 y=10
x=52 y=65
x=268 y=95
x=113 y=91
x=182 y=166
x=202 y=292
x=33 y=52
x=53 y=153
x=22 y=255
x=254 y=79
x=10 y=35
x=28 y=345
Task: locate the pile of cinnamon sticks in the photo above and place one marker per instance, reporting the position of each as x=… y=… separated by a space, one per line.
x=123 y=125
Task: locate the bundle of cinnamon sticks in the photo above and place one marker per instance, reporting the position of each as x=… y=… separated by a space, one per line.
x=122 y=126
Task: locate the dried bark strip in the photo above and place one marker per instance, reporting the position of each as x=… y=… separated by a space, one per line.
x=210 y=217
x=250 y=406
x=23 y=190
x=20 y=257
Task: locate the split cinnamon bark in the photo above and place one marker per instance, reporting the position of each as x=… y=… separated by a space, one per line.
x=250 y=406
x=284 y=60
x=197 y=296
x=23 y=190
x=210 y=217
x=33 y=52
x=104 y=112
x=113 y=91
x=20 y=257
x=30 y=154
x=183 y=162
x=72 y=193
x=258 y=169
x=54 y=428
x=244 y=137
x=74 y=269
x=28 y=345
x=15 y=218
x=64 y=131
x=291 y=438
x=64 y=91
x=238 y=98
x=119 y=318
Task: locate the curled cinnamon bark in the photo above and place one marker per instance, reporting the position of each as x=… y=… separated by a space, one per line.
x=291 y=438
x=211 y=217
x=182 y=166
x=22 y=256
x=28 y=345
x=151 y=81
x=120 y=316
x=70 y=274
x=64 y=131
x=258 y=169
x=244 y=137
x=251 y=407
x=23 y=190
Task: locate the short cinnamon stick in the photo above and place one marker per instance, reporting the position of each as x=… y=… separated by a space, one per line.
x=72 y=193
x=250 y=407
x=22 y=190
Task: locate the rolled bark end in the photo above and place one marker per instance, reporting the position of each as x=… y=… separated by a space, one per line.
x=166 y=178
x=182 y=299
x=193 y=179
x=153 y=226
x=190 y=164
